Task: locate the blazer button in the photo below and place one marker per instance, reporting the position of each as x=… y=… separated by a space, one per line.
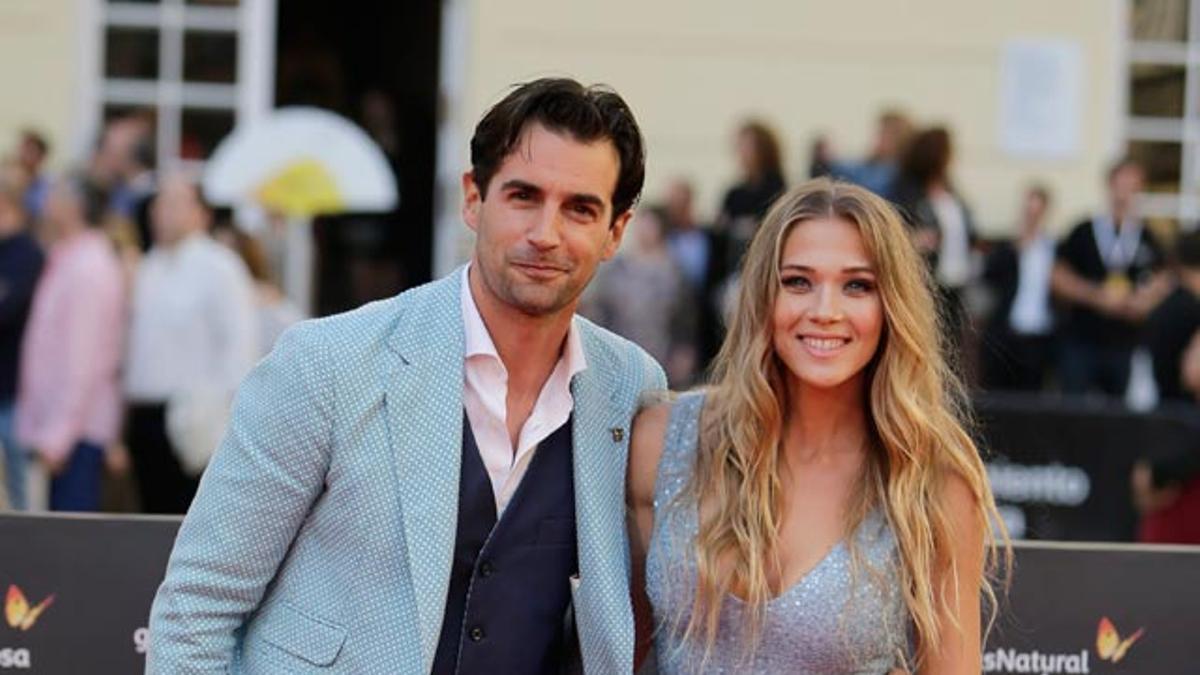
x=486 y=569
x=476 y=634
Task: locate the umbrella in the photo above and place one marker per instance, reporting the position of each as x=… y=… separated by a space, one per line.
x=301 y=162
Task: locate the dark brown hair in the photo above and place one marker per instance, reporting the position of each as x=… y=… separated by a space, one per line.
x=562 y=105
x=928 y=157
x=766 y=148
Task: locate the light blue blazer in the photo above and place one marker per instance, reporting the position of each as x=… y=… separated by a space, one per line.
x=321 y=537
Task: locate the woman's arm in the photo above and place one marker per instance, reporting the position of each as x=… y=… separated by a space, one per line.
x=645 y=449
x=959 y=650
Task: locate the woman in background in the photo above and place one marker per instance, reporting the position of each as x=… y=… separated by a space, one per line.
x=821 y=508
x=942 y=224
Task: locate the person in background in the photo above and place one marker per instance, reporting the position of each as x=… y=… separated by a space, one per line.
x=942 y=224
x=1018 y=341
x=68 y=397
x=1108 y=276
x=698 y=253
x=1170 y=327
x=820 y=156
x=642 y=296
x=761 y=163
x=20 y=265
x=275 y=312
x=31 y=154
x=123 y=164
x=877 y=172
x=1166 y=490
x=193 y=337
x=1191 y=367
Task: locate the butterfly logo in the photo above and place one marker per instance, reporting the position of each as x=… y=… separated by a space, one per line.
x=1109 y=644
x=18 y=612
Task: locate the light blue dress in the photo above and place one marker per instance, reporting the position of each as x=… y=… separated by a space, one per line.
x=836 y=619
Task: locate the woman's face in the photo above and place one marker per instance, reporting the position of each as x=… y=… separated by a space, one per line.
x=828 y=315
x=747 y=152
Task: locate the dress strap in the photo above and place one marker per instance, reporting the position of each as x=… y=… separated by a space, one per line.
x=679 y=448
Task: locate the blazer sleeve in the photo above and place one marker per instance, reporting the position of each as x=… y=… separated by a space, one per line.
x=253 y=498
x=653 y=377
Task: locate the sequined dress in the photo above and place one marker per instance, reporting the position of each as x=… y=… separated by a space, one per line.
x=832 y=621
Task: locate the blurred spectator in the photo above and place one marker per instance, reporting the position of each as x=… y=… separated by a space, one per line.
x=1018 y=343
x=943 y=228
x=193 y=338
x=1191 y=367
x=20 y=266
x=1108 y=276
x=699 y=254
x=878 y=171
x=275 y=311
x=124 y=165
x=68 y=401
x=820 y=157
x=31 y=154
x=642 y=296
x=690 y=245
x=762 y=180
x=1170 y=327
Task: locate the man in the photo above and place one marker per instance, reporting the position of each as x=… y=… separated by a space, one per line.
x=192 y=339
x=68 y=402
x=124 y=164
x=1107 y=273
x=31 y=155
x=426 y=483
x=1018 y=339
x=1170 y=327
x=20 y=265
x=877 y=172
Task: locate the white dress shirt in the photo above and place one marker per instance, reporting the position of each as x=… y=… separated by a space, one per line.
x=954 y=256
x=485 y=393
x=194 y=323
x=1030 y=313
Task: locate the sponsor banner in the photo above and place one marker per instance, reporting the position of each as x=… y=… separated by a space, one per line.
x=77 y=594
x=1099 y=608
x=77 y=591
x=1060 y=467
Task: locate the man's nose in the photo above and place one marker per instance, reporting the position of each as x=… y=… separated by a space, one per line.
x=545 y=231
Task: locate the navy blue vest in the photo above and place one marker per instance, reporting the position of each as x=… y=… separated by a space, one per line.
x=510 y=580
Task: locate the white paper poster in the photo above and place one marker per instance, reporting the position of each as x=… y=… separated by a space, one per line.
x=1041 y=84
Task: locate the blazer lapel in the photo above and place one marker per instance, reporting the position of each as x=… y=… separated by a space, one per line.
x=601 y=436
x=423 y=400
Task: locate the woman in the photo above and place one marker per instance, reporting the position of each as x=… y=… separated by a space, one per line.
x=942 y=224
x=762 y=180
x=820 y=508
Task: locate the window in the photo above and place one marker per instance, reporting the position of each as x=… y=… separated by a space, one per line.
x=198 y=66
x=1163 y=112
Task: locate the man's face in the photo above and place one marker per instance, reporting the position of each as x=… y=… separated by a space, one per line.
x=547 y=221
x=1125 y=185
x=177 y=211
x=63 y=209
x=30 y=155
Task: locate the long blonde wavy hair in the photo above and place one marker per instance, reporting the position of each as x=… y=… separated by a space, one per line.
x=917 y=417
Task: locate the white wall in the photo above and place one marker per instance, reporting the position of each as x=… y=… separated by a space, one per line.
x=693 y=69
x=41 y=43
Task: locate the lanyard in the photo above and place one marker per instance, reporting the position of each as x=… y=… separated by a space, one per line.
x=1117 y=249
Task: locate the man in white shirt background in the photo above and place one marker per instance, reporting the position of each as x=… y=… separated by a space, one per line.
x=192 y=339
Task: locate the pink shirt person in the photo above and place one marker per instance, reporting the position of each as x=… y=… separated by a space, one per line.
x=68 y=389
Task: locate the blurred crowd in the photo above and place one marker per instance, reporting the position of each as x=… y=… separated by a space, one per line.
x=129 y=311
x=1108 y=309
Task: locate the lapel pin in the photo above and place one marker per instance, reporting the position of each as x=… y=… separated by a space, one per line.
x=618 y=434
